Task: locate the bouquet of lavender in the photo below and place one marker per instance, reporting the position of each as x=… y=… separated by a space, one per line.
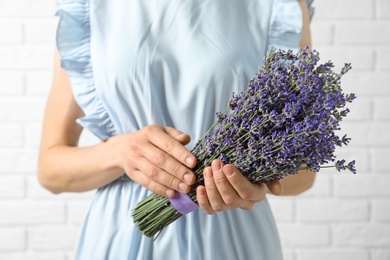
x=285 y=121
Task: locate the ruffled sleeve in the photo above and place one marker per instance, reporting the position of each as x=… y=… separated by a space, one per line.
x=285 y=27
x=73 y=43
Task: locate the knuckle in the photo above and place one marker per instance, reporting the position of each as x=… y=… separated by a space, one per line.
x=218 y=207
x=151 y=128
x=177 y=170
x=219 y=180
x=152 y=172
x=209 y=212
x=247 y=195
x=133 y=148
x=159 y=159
x=172 y=183
x=229 y=200
x=248 y=206
x=158 y=189
x=168 y=145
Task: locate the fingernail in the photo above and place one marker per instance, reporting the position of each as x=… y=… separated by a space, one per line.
x=216 y=165
x=183 y=187
x=190 y=161
x=188 y=178
x=170 y=193
x=201 y=192
x=228 y=170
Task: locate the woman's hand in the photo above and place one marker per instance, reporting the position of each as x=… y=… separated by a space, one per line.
x=156 y=158
x=225 y=188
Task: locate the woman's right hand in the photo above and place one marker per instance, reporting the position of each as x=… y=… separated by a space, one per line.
x=156 y=158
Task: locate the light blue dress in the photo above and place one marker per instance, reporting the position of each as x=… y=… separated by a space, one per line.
x=172 y=62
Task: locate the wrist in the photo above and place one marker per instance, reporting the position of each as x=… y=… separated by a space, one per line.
x=114 y=147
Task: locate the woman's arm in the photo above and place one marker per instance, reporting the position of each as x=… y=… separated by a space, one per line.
x=306 y=35
x=153 y=156
x=298 y=183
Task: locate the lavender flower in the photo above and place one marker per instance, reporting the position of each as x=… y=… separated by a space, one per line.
x=285 y=121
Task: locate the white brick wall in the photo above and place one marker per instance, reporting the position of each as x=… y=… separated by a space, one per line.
x=343 y=217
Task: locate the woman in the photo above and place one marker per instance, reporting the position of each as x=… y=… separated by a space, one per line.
x=145 y=76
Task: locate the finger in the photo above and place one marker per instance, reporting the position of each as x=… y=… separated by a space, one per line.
x=168 y=144
x=227 y=192
x=246 y=189
x=158 y=174
x=275 y=187
x=178 y=135
x=203 y=201
x=213 y=195
x=151 y=185
x=169 y=164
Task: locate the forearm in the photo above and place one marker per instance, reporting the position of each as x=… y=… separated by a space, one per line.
x=64 y=168
x=298 y=183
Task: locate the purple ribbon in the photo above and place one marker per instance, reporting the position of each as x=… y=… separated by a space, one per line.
x=183 y=203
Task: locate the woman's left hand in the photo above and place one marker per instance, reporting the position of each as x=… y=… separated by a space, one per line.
x=225 y=187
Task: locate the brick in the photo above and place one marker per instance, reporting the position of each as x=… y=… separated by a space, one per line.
x=380 y=254
x=76 y=211
x=32 y=212
x=26 y=109
x=367 y=235
x=12 y=239
x=12 y=187
x=36 y=191
x=381 y=108
x=38 y=31
x=362 y=32
x=33 y=256
x=18 y=161
x=368 y=133
x=10 y=31
x=383 y=8
x=346 y=9
x=383 y=58
x=39 y=83
x=52 y=238
x=381 y=210
x=295 y=235
x=361 y=110
x=361 y=58
x=12 y=135
x=362 y=186
x=11 y=83
x=362 y=156
x=367 y=84
x=27 y=8
x=282 y=208
x=333 y=254
x=380 y=159
x=26 y=57
x=33 y=134
x=288 y=255
x=328 y=210
x=322 y=33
